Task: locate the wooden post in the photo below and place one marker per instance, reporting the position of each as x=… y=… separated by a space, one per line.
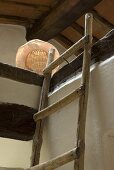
x=37 y=139
x=84 y=98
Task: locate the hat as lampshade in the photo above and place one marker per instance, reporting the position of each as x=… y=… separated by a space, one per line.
x=33 y=55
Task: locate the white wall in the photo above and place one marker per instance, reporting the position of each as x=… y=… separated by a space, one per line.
x=60 y=128
x=14 y=153
x=11 y=37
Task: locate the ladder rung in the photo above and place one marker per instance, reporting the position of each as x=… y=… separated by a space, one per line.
x=66 y=54
x=58 y=161
x=59 y=104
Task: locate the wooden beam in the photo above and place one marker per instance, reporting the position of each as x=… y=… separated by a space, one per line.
x=63 y=40
x=80 y=29
x=16 y=121
x=32 y=12
x=26 y=4
x=58 y=161
x=102 y=21
x=20 y=75
x=101 y=50
x=29 y=2
x=60 y=18
x=58 y=105
x=9 y=19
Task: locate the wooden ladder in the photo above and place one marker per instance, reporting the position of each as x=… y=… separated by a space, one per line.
x=77 y=153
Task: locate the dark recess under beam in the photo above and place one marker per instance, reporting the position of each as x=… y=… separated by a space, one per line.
x=20 y=75
x=60 y=18
x=16 y=121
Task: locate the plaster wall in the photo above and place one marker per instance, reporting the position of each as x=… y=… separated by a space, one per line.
x=14 y=153
x=60 y=128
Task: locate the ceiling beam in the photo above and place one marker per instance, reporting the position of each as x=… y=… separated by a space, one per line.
x=80 y=29
x=20 y=75
x=63 y=40
x=60 y=18
x=16 y=20
x=102 y=21
x=67 y=43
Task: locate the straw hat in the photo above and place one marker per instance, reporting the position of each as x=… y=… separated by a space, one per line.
x=33 y=55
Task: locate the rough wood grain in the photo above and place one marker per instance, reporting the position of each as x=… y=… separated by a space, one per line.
x=15 y=20
x=20 y=75
x=80 y=140
x=60 y=18
x=22 y=9
x=38 y=138
x=58 y=161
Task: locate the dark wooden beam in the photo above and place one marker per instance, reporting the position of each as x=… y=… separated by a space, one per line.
x=80 y=29
x=16 y=121
x=101 y=50
x=20 y=75
x=102 y=20
x=21 y=9
x=60 y=18
x=31 y=5
x=16 y=20
x=63 y=40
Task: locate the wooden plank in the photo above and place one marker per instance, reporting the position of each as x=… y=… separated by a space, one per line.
x=101 y=51
x=63 y=40
x=15 y=20
x=16 y=121
x=58 y=105
x=22 y=10
x=20 y=75
x=33 y=2
x=60 y=18
x=78 y=28
x=37 y=139
x=66 y=43
x=58 y=161
x=66 y=54
x=80 y=140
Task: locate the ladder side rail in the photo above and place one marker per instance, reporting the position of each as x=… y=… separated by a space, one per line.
x=37 y=139
x=84 y=98
x=66 y=54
